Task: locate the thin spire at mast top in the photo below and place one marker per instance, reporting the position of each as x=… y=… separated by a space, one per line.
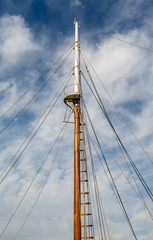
x=77 y=57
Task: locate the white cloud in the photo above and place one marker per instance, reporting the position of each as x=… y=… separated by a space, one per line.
x=127 y=74
x=16 y=39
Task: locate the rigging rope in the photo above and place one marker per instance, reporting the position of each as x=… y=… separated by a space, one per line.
x=86 y=172
x=41 y=187
x=42 y=164
x=100 y=216
x=139 y=196
x=35 y=94
x=110 y=174
x=43 y=74
x=66 y=82
x=91 y=190
x=83 y=159
x=121 y=40
x=105 y=172
x=115 y=105
x=99 y=101
x=96 y=183
x=89 y=146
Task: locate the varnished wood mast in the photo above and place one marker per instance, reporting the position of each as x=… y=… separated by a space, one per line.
x=74 y=99
x=77 y=213
x=77 y=218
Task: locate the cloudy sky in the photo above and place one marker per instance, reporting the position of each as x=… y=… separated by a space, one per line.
x=33 y=35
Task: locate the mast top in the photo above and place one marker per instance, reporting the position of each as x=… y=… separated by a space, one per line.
x=77 y=58
x=75 y=21
x=75 y=96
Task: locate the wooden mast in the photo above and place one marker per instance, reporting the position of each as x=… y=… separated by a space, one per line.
x=74 y=98
x=77 y=215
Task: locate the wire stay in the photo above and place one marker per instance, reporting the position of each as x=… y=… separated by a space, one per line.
x=38 y=128
x=36 y=94
x=115 y=105
x=34 y=84
x=38 y=196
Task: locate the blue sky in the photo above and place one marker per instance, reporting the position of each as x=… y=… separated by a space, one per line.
x=57 y=16
x=33 y=34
